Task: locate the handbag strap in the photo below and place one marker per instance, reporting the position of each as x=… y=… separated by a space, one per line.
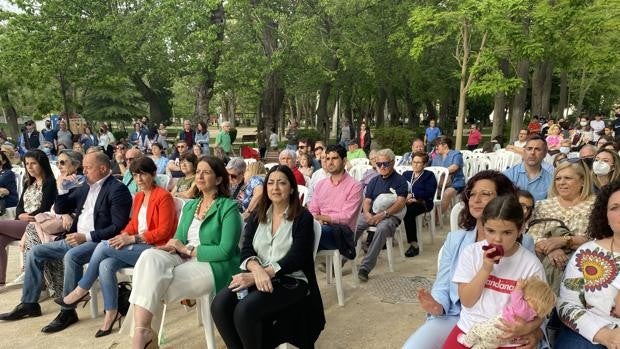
x=545 y=220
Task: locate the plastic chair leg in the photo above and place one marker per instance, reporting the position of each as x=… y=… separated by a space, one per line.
x=338 y=276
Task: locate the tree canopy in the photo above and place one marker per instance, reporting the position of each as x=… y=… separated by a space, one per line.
x=320 y=62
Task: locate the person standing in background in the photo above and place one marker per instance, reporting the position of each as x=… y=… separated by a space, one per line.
x=474 y=137
x=273 y=139
x=345 y=134
x=292 y=134
x=202 y=137
x=430 y=135
x=365 y=138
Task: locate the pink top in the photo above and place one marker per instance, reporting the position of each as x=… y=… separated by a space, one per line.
x=517 y=306
x=554 y=140
x=340 y=201
x=474 y=137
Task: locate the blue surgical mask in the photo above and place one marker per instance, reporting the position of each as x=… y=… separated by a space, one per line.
x=47 y=151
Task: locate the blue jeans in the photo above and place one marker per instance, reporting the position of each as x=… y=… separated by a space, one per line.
x=432 y=334
x=104 y=263
x=573 y=340
x=327 y=242
x=73 y=258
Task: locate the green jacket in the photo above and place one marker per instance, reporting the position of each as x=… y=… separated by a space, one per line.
x=219 y=237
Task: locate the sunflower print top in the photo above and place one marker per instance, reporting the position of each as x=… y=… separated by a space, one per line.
x=588 y=291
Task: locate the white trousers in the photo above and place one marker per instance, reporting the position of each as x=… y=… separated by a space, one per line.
x=160 y=277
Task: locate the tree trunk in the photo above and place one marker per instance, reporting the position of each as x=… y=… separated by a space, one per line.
x=518 y=102
x=538 y=80
x=431 y=111
x=157 y=95
x=395 y=117
x=563 y=103
x=545 y=97
x=499 y=105
x=379 y=108
x=411 y=107
x=10 y=112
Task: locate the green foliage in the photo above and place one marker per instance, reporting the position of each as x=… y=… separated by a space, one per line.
x=396 y=138
x=113 y=99
x=310 y=133
x=118 y=135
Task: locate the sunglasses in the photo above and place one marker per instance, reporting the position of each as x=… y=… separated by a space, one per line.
x=62 y=162
x=575 y=160
x=383 y=164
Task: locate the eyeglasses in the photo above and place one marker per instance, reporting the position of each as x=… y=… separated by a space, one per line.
x=575 y=160
x=383 y=164
x=483 y=194
x=301 y=146
x=181 y=146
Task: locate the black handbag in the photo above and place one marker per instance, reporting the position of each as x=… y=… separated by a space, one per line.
x=124 y=291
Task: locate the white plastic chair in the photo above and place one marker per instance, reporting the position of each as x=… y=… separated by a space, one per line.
x=163 y=180
x=268 y=166
x=401 y=169
x=441 y=175
x=359 y=161
x=358 y=171
x=454 y=215
x=397 y=159
x=303 y=194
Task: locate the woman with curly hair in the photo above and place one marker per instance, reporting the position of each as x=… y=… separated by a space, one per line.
x=591 y=282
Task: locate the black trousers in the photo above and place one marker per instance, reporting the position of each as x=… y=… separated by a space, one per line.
x=241 y=322
x=413 y=210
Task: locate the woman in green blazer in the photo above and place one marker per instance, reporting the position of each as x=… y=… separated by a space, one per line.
x=201 y=258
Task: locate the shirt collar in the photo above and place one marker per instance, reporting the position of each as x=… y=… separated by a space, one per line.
x=99 y=183
x=270 y=213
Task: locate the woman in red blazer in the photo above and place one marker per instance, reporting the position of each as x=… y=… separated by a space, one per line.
x=153 y=222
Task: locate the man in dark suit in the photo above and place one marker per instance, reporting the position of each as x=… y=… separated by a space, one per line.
x=101 y=209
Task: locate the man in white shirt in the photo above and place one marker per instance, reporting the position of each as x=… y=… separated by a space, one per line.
x=597 y=126
x=100 y=208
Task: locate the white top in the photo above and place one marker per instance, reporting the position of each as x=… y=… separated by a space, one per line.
x=589 y=288
x=272 y=248
x=273 y=140
x=142 y=223
x=192 y=233
x=597 y=126
x=86 y=220
x=499 y=285
x=519 y=144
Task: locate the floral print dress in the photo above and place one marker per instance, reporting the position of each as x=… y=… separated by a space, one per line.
x=588 y=291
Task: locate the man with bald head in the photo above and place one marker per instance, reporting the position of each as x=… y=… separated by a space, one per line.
x=131 y=155
x=100 y=208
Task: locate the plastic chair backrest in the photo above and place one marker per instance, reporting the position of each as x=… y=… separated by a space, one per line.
x=441 y=174
x=358 y=171
x=401 y=169
x=454 y=215
x=303 y=194
x=317 y=237
x=359 y=161
x=268 y=166
x=178 y=206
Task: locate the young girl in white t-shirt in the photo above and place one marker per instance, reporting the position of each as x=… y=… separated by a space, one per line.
x=486 y=277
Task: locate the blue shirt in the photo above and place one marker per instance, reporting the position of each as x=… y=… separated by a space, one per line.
x=379 y=185
x=454 y=157
x=538 y=186
x=432 y=133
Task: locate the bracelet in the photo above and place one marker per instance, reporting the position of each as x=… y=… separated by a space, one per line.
x=138 y=239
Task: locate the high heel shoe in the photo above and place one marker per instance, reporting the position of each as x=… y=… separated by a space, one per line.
x=102 y=333
x=85 y=298
x=152 y=343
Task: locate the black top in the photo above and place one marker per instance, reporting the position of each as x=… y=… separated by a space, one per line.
x=302 y=323
x=49 y=195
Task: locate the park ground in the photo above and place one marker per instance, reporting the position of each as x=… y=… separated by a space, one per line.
x=381 y=313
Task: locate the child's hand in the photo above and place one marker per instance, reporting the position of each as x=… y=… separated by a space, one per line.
x=490 y=258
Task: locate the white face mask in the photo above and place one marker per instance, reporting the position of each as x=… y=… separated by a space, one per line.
x=583 y=123
x=601 y=168
x=564 y=150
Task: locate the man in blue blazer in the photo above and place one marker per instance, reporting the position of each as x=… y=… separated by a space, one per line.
x=101 y=208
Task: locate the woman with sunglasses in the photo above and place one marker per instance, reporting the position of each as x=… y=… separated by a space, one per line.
x=70 y=166
x=38 y=196
x=442 y=304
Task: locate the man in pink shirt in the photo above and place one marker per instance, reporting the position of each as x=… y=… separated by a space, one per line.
x=336 y=200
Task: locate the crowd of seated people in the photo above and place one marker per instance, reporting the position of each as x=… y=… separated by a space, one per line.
x=538 y=214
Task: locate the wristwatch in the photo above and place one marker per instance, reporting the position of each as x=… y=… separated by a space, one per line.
x=190 y=249
x=568 y=239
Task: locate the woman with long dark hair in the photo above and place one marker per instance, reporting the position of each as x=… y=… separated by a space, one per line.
x=277 y=278
x=38 y=196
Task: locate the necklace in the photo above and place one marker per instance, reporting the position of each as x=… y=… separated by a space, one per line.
x=198 y=214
